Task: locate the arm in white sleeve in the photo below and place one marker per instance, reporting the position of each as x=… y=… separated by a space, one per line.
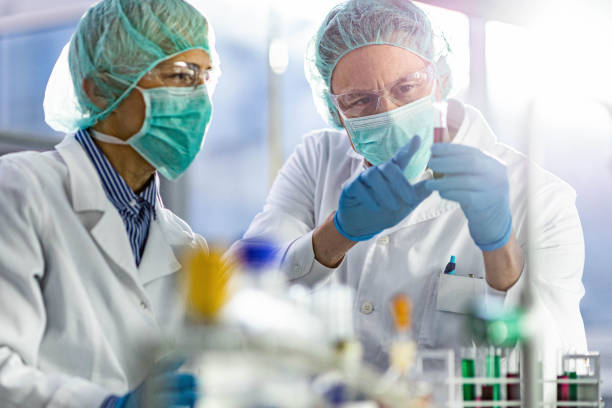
x=22 y=308
x=559 y=260
x=288 y=215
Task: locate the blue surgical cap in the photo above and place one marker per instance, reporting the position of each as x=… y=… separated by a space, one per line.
x=126 y=39
x=357 y=23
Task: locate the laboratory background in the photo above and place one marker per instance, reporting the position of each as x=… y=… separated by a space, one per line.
x=540 y=73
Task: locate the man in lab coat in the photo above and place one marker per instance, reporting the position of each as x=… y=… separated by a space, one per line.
x=359 y=204
x=89 y=256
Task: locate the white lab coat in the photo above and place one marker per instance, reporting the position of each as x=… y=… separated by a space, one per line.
x=78 y=319
x=410 y=256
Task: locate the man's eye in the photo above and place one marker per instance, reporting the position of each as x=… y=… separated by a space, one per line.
x=404 y=88
x=359 y=100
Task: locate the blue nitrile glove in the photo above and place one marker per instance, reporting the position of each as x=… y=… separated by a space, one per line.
x=479 y=183
x=379 y=198
x=163 y=388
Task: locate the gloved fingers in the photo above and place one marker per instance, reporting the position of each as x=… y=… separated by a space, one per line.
x=460 y=182
x=383 y=194
x=457 y=165
x=460 y=196
x=397 y=181
x=405 y=153
x=168 y=363
x=178 y=399
x=469 y=199
x=420 y=192
x=472 y=182
x=178 y=382
x=357 y=190
x=454 y=149
x=458 y=158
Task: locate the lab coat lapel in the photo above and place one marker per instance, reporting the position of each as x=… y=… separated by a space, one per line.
x=97 y=213
x=159 y=258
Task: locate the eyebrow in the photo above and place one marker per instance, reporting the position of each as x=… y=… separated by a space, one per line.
x=168 y=63
x=404 y=77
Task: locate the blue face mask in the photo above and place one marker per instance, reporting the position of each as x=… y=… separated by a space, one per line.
x=378 y=137
x=172 y=133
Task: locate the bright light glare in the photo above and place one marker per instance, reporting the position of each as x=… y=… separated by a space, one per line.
x=456 y=29
x=567 y=56
x=278 y=55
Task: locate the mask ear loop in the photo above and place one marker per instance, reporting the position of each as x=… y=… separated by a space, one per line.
x=107 y=138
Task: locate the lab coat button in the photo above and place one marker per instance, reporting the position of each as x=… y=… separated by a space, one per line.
x=383 y=240
x=143 y=304
x=367 y=308
x=297 y=269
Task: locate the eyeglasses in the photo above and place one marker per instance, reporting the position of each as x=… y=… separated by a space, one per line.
x=178 y=74
x=409 y=88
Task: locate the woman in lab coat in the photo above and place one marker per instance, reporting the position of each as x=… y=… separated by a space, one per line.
x=89 y=256
x=358 y=204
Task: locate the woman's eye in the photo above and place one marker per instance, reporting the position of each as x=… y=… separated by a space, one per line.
x=178 y=77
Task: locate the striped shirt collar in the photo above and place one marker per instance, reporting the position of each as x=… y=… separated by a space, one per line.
x=116 y=189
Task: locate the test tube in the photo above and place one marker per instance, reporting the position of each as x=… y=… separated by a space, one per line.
x=563 y=387
x=587 y=371
x=492 y=392
x=468 y=357
x=569 y=370
x=441 y=134
x=513 y=391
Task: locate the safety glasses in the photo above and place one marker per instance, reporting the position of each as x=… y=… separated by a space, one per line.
x=178 y=74
x=409 y=88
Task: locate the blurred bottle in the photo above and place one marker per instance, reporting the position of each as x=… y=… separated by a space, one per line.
x=206 y=284
x=258 y=260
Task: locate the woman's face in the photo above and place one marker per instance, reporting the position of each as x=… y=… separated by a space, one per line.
x=127 y=119
x=376 y=67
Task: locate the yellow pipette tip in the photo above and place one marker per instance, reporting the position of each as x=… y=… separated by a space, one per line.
x=207 y=283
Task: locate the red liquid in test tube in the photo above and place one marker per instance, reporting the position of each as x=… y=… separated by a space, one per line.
x=440 y=129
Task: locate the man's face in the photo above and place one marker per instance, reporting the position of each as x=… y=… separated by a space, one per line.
x=378 y=68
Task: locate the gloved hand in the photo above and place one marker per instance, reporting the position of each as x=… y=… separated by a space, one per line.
x=380 y=197
x=163 y=388
x=479 y=183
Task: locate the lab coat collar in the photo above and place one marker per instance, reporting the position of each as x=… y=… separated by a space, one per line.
x=159 y=258
x=86 y=189
x=88 y=195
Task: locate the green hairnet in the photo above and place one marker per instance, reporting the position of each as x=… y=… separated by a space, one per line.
x=124 y=38
x=357 y=23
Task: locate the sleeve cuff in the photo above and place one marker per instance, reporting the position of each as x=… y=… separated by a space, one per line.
x=510 y=297
x=514 y=293
x=499 y=243
x=300 y=265
x=79 y=393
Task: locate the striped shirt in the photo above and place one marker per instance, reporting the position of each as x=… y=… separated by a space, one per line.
x=136 y=210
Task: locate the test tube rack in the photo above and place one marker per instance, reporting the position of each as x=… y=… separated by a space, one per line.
x=575 y=390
